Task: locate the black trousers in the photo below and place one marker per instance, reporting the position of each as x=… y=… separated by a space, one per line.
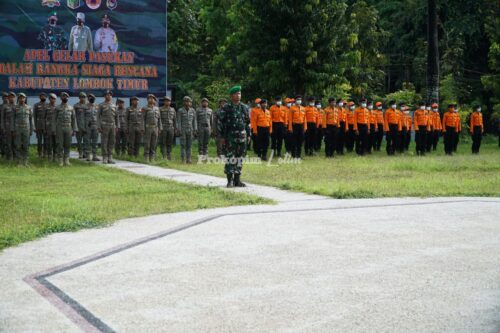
x=372 y=139
x=477 y=137
x=288 y=141
x=362 y=139
x=277 y=137
x=297 y=139
x=320 y=133
x=310 y=137
x=455 y=142
x=421 y=140
x=449 y=140
x=340 y=138
x=350 y=137
x=379 y=136
x=263 y=141
x=402 y=140
x=255 y=144
x=330 y=140
x=392 y=137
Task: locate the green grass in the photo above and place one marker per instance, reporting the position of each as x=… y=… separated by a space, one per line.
x=377 y=175
x=45 y=199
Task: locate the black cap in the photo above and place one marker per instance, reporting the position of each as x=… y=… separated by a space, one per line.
x=110 y=92
x=119 y=100
x=134 y=98
x=392 y=102
x=331 y=99
x=42 y=94
x=277 y=98
x=311 y=98
x=298 y=97
x=263 y=100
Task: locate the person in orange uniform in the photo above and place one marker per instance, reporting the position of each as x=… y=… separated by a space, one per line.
x=311 y=119
x=436 y=127
x=457 y=137
x=253 y=112
x=320 y=130
x=451 y=126
x=407 y=124
x=331 y=125
x=342 y=126
x=350 y=132
x=279 y=117
x=392 y=127
x=297 y=125
x=362 y=127
x=476 y=129
x=379 y=115
x=422 y=126
x=373 y=128
x=288 y=134
x=261 y=125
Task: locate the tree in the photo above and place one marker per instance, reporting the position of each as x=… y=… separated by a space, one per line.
x=432 y=52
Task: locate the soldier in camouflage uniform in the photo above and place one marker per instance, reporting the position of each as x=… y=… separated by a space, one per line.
x=186 y=128
x=80 y=109
x=168 y=121
x=135 y=129
x=23 y=128
x=121 y=134
x=152 y=126
x=50 y=129
x=5 y=103
x=204 y=120
x=8 y=126
x=234 y=127
x=52 y=36
x=39 y=110
x=91 y=133
x=215 y=132
x=65 y=129
x=107 y=123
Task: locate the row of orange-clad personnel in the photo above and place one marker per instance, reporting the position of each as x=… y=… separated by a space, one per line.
x=363 y=120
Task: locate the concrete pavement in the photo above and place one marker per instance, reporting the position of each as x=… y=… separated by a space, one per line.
x=306 y=264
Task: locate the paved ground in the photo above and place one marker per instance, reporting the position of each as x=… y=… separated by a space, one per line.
x=306 y=264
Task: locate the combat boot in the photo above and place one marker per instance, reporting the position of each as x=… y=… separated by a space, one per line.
x=60 y=161
x=66 y=161
x=89 y=158
x=237 y=181
x=95 y=158
x=104 y=160
x=230 y=182
x=80 y=155
x=110 y=160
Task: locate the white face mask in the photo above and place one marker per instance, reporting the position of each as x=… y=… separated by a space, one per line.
x=318 y=106
x=363 y=105
x=311 y=104
x=278 y=103
x=422 y=107
x=298 y=102
x=289 y=104
x=341 y=104
x=435 y=110
x=379 y=108
x=370 y=107
x=393 y=106
x=478 y=110
x=352 y=107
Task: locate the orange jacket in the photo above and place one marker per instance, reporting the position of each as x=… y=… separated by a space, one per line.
x=297 y=115
x=421 y=118
x=373 y=118
x=379 y=114
x=407 y=121
x=331 y=117
x=349 y=118
x=311 y=114
x=361 y=116
x=279 y=114
x=321 y=115
x=392 y=117
x=476 y=119
x=451 y=119
x=342 y=114
x=260 y=118
x=435 y=121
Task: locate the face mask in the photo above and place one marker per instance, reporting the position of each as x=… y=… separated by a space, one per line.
x=370 y=107
x=428 y=108
x=393 y=106
x=435 y=110
x=105 y=25
x=352 y=107
x=318 y=106
x=298 y=102
x=91 y=99
x=43 y=99
x=64 y=100
x=52 y=23
x=289 y=105
x=79 y=22
x=363 y=105
x=341 y=104
x=279 y=103
x=422 y=107
x=478 y=110
x=311 y=104
x=379 y=108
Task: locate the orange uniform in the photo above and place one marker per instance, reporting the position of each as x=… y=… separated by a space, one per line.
x=407 y=121
x=260 y=118
x=452 y=119
x=349 y=117
x=379 y=115
x=361 y=117
x=297 y=115
x=476 y=119
x=331 y=117
x=279 y=114
x=392 y=117
x=435 y=121
x=421 y=118
x=373 y=117
x=311 y=114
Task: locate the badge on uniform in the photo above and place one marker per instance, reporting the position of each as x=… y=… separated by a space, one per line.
x=112 y=4
x=93 y=4
x=51 y=3
x=74 y=4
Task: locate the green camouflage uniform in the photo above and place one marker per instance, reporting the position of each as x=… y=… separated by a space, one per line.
x=8 y=130
x=233 y=125
x=204 y=120
x=187 y=127
x=50 y=132
x=218 y=138
x=2 y=133
x=167 y=136
x=23 y=128
x=135 y=123
x=121 y=134
x=80 y=109
x=152 y=125
x=39 y=111
x=91 y=133
x=65 y=127
x=107 y=123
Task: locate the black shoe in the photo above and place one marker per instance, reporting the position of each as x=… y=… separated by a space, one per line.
x=230 y=182
x=237 y=181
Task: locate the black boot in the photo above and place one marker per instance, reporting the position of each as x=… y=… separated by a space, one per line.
x=230 y=182
x=237 y=181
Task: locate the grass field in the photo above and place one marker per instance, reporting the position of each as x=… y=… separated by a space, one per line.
x=376 y=175
x=44 y=198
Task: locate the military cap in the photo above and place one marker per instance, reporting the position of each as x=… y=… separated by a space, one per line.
x=292 y=100
x=21 y=95
x=402 y=103
x=134 y=98
x=153 y=96
x=11 y=93
x=234 y=90
x=311 y=98
x=91 y=95
x=204 y=99
x=298 y=97
x=277 y=98
x=105 y=18
x=451 y=105
x=64 y=94
x=435 y=105
x=262 y=101
x=82 y=94
x=166 y=98
x=108 y=92
x=351 y=103
x=378 y=104
x=287 y=100
x=187 y=99
x=364 y=100
x=4 y=94
x=42 y=94
x=222 y=100
x=392 y=102
x=258 y=100
x=52 y=95
x=119 y=100
x=331 y=99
